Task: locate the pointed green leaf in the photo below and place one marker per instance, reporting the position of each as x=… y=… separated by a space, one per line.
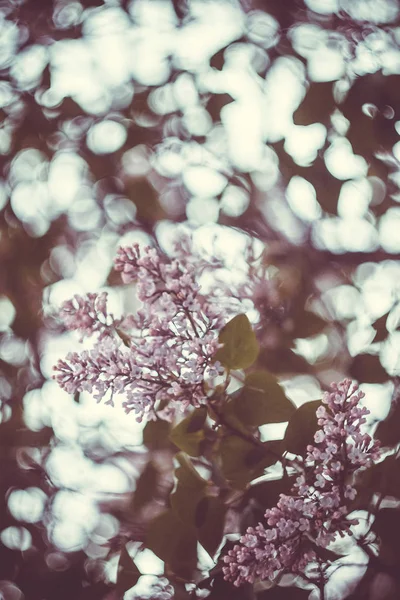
x=155 y=434
x=161 y=534
x=174 y=542
x=301 y=428
x=189 y=433
x=189 y=491
x=210 y=523
x=128 y=574
x=187 y=474
x=262 y=400
x=145 y=487
x=240 y=348
x=242 y=461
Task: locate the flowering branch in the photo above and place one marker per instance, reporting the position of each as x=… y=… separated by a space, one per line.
x=172 y=338
x=318 y=507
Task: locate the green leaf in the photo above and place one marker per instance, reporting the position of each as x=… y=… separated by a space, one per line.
x=210 y=523
x=284 y=360
x=301 y=428
x=174 y=542
x=189 y=491
x=187 y=474
x=155 y=434
x=242 y=461
x=189 y=433
x=128 y=574
x=230 y=416
x=367 y=368
x=240 y=348
x=145 y=487
x=262 y=400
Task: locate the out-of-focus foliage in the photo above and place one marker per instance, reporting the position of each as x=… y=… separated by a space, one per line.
x=120 y=119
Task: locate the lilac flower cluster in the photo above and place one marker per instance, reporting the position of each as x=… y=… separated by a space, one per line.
x=170 y=342
x=318 y=507
x=88 y=315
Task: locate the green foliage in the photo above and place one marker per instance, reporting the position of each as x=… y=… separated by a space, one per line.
x=210 y=522
x=242 y=461
x=240 y=347
x=127 y=574
x=193 y=517
x=145 y=487
x=190 y=489
x=301 y=428
x=261 y=400
x=187 y=474
x=189 y=433
x=155 y=434
x=206 y=514
x=174 y=542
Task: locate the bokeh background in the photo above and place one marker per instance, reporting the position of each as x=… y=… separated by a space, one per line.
x=126 y=120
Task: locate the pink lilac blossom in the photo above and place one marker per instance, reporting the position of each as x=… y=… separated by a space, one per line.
x=317 y=510
x=88 y=315
x=172 y=338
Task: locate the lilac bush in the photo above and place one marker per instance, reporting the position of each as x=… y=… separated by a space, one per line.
x=163 y=362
